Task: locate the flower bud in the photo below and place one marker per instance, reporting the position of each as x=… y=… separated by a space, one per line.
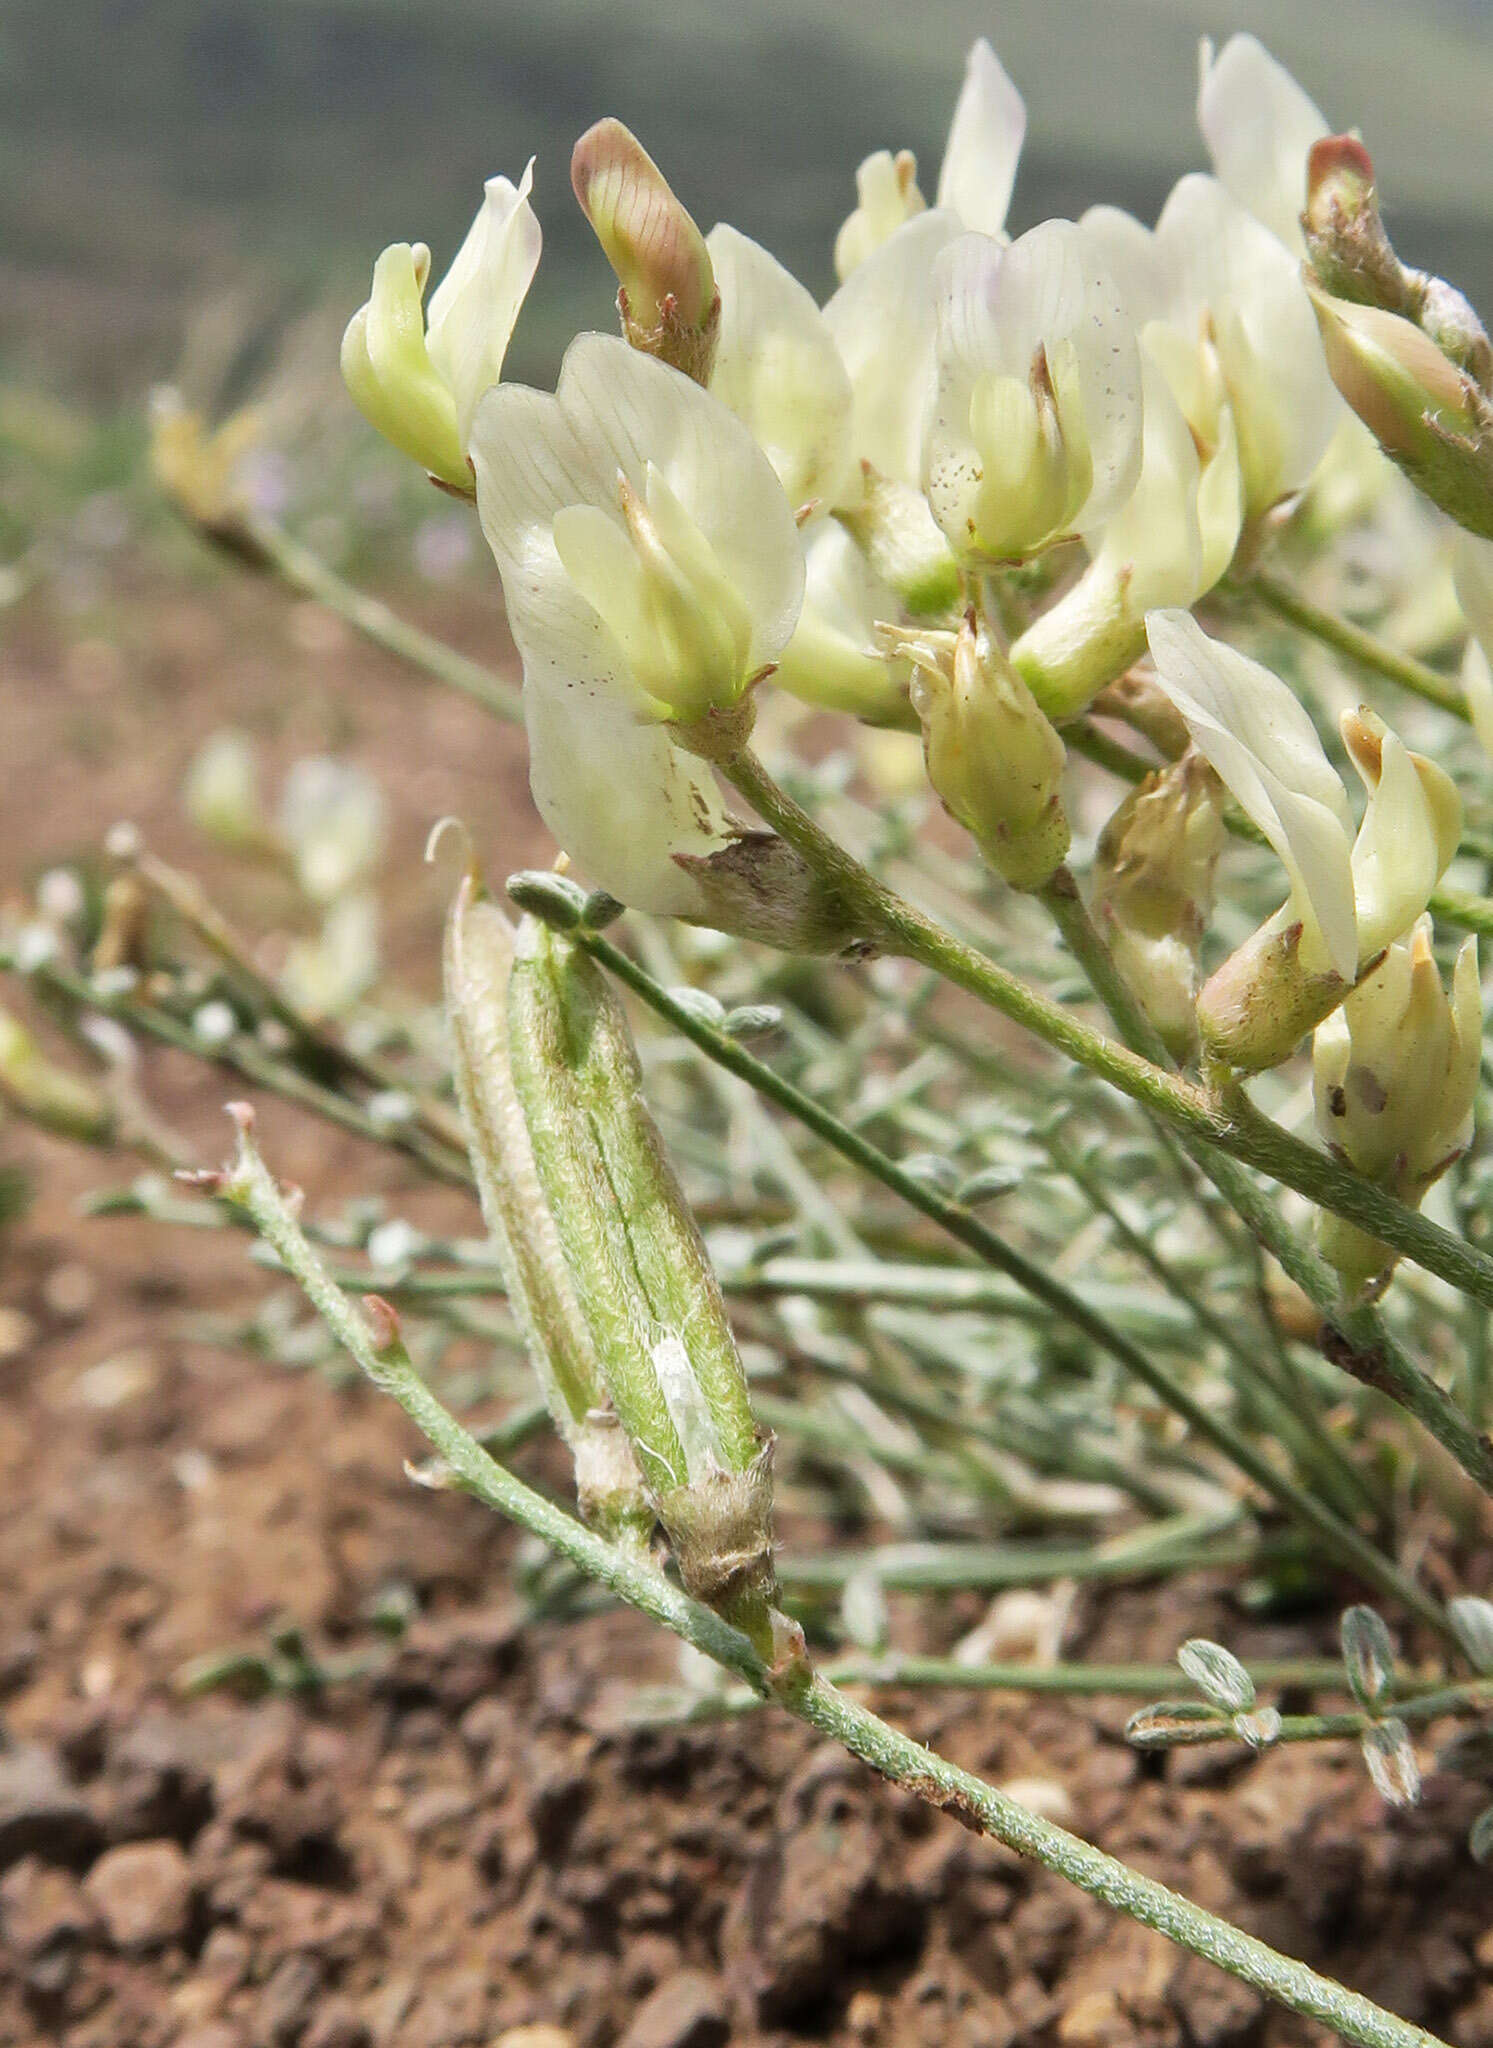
x=1153 y=891
x=1395 y=1075
x=993 y=757
x=1345 y=240
x=1429 y=416
x=1257 y=1007
x=887 y=189
x=642 y=1277
x=1354 y=259
x=198 y=468
x=667 y=297
x=478 y=963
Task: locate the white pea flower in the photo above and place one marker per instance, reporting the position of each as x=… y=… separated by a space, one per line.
x=1259 y=126
x=979 y=167
x=1217 y=297
x=1350 y=896
x=1166 y=546
x=652 y=572
x=418 y=375
x=882 y=323
x=1035 y=430
x=778 y=369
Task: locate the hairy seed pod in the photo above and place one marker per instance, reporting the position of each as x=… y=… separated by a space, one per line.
x=642 y=1276
x=478 y=962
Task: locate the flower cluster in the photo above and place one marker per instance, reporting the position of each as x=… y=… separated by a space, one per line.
x=971 y=495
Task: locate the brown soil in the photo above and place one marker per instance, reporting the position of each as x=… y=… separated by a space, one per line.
x=462 y=1843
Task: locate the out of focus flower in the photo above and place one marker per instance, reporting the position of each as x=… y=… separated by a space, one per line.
x=979 y=167
x=1035 y=431
x=200 y=469
x=220 y=792
x=334 y=820
x=1395 y=1075
x=1350 y=896
x=416 y=374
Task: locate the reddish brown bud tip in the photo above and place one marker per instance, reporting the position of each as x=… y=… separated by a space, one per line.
x=383 y=1323
x=1338 y=157
x=242 y=1114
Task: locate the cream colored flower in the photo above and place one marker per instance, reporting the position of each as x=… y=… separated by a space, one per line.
x=418 y=375
x=652 y=572
x=1035 y=429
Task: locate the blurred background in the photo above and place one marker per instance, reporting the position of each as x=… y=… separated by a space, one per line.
x=155 y=151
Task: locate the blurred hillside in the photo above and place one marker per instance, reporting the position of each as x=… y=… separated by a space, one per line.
x=153 y=152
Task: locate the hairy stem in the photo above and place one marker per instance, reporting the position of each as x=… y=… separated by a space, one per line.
x=1367 y=1350
x=888 y=921
x=966 y=1227
x=378 y=1350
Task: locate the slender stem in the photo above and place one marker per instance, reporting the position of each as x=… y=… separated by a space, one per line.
x=886 y=920
x=1070 y=1681
x=1358 y=1339
x=308 y=574
x=1356 y=645
x=1296 y=1417
x=1475 y=1697
x=186 y=898
x=803 y=1693
x=967 y=1228
x=245 y=1060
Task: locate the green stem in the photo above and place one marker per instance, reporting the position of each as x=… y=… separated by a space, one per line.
x=961 y=1223
x=1278 y=1402
x=307 y=573
x=884 y=919
x=1352 y=642
x=241 y=1057
x=1358 y=1339
x=1472 y=1698
x=803 y=1693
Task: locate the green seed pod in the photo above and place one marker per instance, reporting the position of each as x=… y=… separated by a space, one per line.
x=478 y=962
x=642 y=1277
